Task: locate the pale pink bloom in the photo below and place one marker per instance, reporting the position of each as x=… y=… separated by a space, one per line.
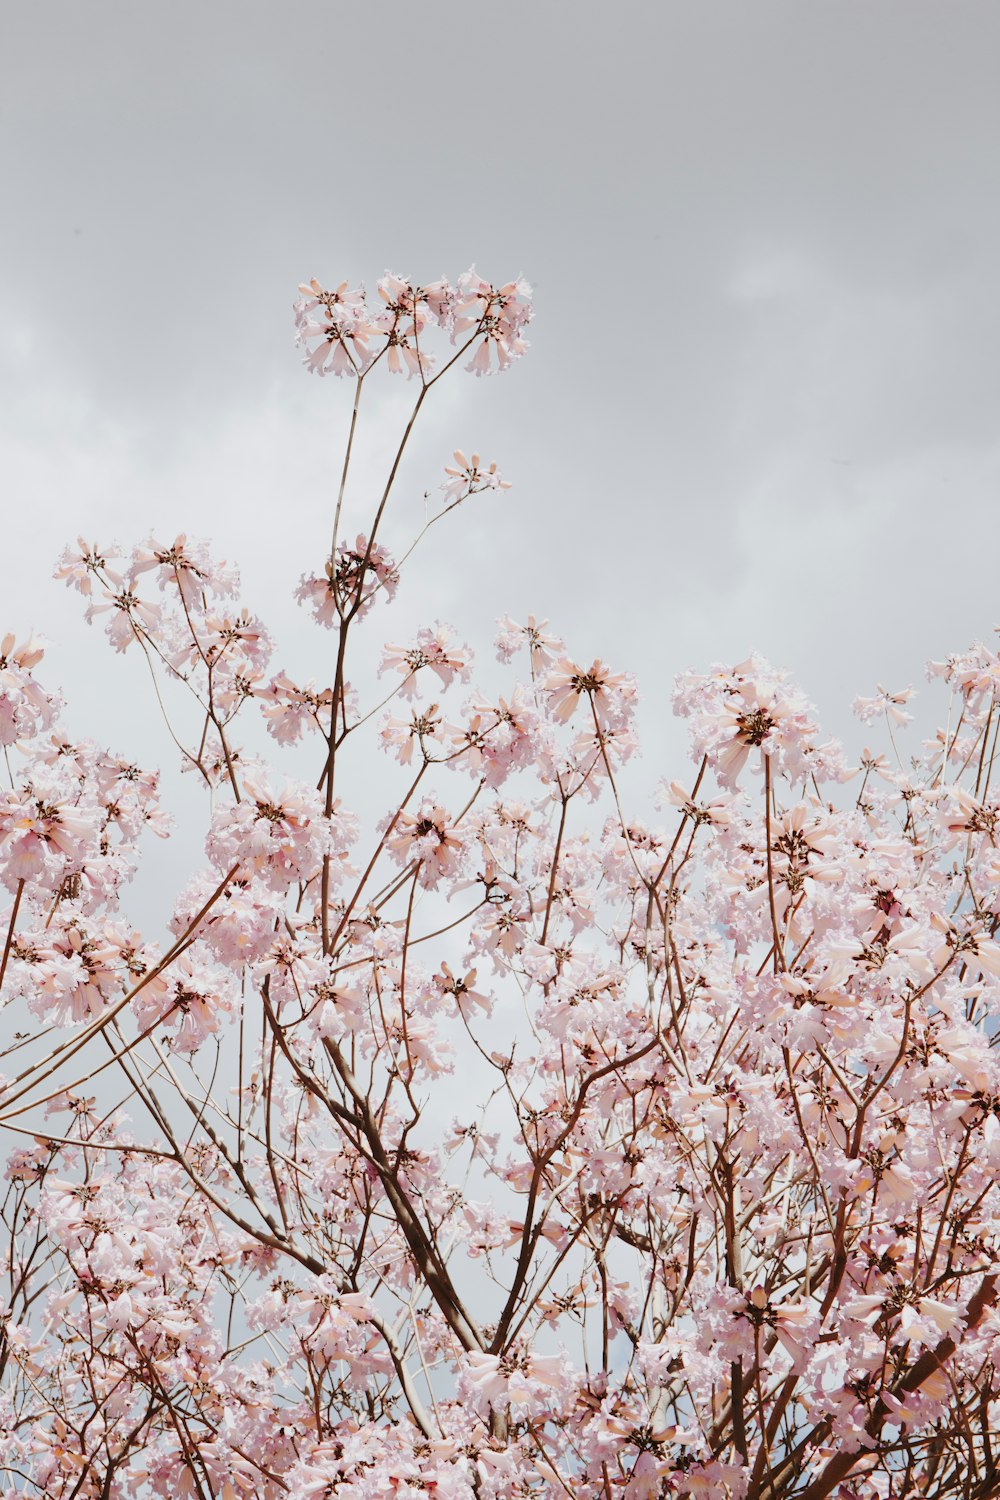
x=435 y=650
x=515 y=1379
x=130 y=616
x=500 y=314
x=974 y=949
x=802 y=832
x=593 y=750
x=513 y=734
x=961 y=814
x=399 y=295
x=280 y=837
x=289 y=710
x=884 y=702
x=187 y=567
x=80 y=566
x=420 y=732
x=27 y=655
x=401 y=324
x=460 y=990
x=119 y=1313
x=715 y=811
x=237 y=642
x=496 y=738
x=403 y=356
x=77 y=972
x=927 y=1321
x=502 y=931
x=34 y=829
x=353 y=583
x=337 y=1009
x=25 y=708
x=239 y=928
x=339 y=322
x=429 y=837
x=748 y=707
x=439 y=298
x=296 y=968
x=908 y=1408
x=27 y=1164
x=467 y=476
x=321 y=593
x=611 y=694
x=976 y=674
x=543 y=648
x=875 y=764
x=195 y=997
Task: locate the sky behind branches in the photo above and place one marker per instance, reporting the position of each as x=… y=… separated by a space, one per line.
x=760 y=407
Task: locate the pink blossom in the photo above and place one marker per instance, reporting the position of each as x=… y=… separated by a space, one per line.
x=543 y=648
x=130 y=616
x=434 y=649
x=80 y=566
x=338 y=320
x=468 y=476
x=610 y=694
x=360 y=573
x=25 y=708
x=429 y=837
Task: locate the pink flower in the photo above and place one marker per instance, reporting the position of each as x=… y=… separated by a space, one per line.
x=404 y=736
x=744 y=708
x=191 y=1002
x=890 y=704
x=131 y=617
x=80 y=566
x=339 y=322
x=429 y=837
x=543 y=648
x=289 y=710
x=186 y=567
x=35 y=830
x=611 y=694
x=279 y=837
x=517 y=1379
x=434 y=650
x=500 y=314
x=25 y=708
x=361 y=572
x=469 y=477
x=460 y=991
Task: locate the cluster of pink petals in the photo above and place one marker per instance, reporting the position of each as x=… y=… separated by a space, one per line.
x=434 y=649
x=429 y=838
x=469 y=476
x=25 y=708
x=187 y=1002
x=290 y=710
x=361 y=571
x=277 y=837
x=746 y=713
x=608 y=696
x=344 y=335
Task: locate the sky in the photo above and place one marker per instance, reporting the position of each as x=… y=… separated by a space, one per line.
x=760 y=407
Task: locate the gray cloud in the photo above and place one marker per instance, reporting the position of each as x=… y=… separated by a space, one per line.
x=760 y=406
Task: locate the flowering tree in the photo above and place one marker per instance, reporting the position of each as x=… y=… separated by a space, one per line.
x=517 y=1146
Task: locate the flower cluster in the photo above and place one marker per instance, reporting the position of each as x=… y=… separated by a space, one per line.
x=344 y=335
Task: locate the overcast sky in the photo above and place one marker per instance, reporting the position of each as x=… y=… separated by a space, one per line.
x=760 y=410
